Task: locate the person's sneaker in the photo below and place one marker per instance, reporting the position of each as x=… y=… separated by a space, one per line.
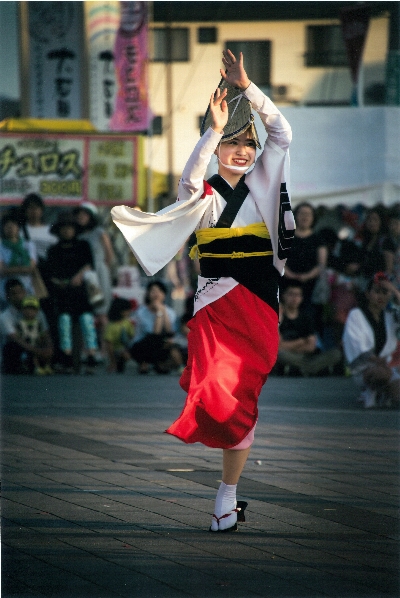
x=368 y=398
x=48 y=370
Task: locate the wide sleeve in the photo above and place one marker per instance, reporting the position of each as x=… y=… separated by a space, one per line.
x=193 y=174
x=276 y=125
x=269 y=181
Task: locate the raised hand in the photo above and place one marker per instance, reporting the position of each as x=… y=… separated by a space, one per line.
x=219 y=110
x=234 y=75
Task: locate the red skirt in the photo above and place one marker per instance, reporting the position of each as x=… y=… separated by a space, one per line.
x=233 y=345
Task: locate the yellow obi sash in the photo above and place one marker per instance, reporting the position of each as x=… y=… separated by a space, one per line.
x=207 y=235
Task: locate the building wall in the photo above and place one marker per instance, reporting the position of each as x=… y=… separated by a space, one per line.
x=193 y=82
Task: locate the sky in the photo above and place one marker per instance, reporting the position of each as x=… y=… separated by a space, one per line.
x=9 y=67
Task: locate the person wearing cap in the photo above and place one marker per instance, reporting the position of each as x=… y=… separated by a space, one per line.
x=67 y=262
x=30 y=330
x=369 y=341
x=25 y=338
x=244 y=228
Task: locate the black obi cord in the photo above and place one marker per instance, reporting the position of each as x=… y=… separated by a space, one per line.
x=256 y=273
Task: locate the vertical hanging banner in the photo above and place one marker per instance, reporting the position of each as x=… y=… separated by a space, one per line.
x=355 y=21
x=102 y=20
x=131 y=111
x=55 y=48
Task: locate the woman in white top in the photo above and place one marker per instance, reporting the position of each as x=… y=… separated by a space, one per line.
x=34 y=229
x=369 y=340
x=244 y=227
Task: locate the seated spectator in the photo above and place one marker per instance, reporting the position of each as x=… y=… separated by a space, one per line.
x=21 y=353
x=67 y=262
x=31 y=330
x=118 y=334
x=155 y=328
x=369 y=340
x=17 y=256
x=298 y=340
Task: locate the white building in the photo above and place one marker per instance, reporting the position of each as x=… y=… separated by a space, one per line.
x=340 y=153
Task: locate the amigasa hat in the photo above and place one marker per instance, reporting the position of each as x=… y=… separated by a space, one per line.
x=240 y=116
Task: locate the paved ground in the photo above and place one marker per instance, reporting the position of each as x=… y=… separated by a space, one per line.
x=99 y=503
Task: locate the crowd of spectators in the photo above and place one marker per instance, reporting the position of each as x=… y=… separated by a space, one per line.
x=61 y=310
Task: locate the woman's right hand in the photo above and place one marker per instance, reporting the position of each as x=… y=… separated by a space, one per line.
x=219 y=110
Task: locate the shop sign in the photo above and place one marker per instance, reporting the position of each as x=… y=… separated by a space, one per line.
x=68 y=169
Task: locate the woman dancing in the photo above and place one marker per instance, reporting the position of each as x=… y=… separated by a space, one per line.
x=244 y=228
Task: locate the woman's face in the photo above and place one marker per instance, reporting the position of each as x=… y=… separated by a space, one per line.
x=373 y=223
x=156 y=295
x=82 y=218
x=378 y=297
x=10 y=230
x=33 y=213
x=304 y=218
x=240 y=151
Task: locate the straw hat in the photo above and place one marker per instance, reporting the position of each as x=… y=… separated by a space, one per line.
x=240 y=116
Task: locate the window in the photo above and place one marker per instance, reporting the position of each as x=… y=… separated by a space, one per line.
x=257 y=59
x=207 y=35
x=157 y=125
x=325 y=46
x=171 y=44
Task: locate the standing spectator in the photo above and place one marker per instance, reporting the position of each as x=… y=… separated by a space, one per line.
x=372 y=259
x=67 y=262
x=308 y=256
x=118 y=334
x=87 y=218
x=298 y=343
x=17 y=256
x=35 y=229
x=155 y=327
x=391 y=246
x=306 y=263
x=19 y=355
x=369 y=340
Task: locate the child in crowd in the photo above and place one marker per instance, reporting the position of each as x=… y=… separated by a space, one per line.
x=118 y=334
x=30 y=330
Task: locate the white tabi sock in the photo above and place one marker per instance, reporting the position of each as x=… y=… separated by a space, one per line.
x=225 y=502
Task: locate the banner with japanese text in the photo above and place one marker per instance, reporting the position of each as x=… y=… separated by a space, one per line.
x=131 y=112
x=68 y=169
x=55 y=59
x=102 y=20
x=355 y=22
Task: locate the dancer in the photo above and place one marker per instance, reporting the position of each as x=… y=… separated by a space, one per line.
x=233 y=338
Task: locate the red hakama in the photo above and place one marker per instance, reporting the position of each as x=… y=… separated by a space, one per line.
x=233 y=345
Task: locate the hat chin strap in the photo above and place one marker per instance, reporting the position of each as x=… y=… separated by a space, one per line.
x=234 y=168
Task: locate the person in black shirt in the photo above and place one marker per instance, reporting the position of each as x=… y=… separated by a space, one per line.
x=298 y=339
x=67 y=262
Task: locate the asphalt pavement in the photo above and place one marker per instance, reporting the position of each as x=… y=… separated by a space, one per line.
x=98 y=502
